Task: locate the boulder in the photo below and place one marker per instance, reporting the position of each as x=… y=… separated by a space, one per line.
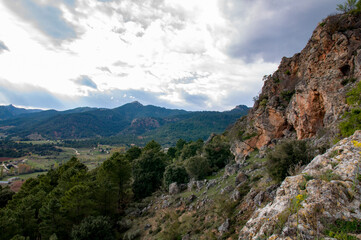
x=224 y=227
x=211 y=183
x=231 y=169
x=236 y=195
x=241 y=178
x=174 y=189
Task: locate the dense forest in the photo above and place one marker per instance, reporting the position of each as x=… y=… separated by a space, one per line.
x=71 y=202
x=13 y=149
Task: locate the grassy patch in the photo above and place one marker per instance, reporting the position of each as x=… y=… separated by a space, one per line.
x=247 y=136
x=218 y=175
x=329 y=175
x=26 y=176
x=341 y=229
x=333 y=154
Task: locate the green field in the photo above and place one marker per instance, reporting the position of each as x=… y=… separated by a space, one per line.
x=41 y=142
x=25 y=176
x=91 y=157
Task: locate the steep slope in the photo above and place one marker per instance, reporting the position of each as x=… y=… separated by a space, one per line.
x=242 y=202
x=327 y=192
x=305 y=97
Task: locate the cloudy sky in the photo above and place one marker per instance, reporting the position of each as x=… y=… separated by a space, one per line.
x=189 y=54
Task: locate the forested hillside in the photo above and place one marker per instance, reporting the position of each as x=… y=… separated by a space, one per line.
x=131 y=122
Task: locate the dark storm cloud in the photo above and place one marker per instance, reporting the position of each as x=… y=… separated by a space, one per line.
x=84 y=80
x=3 y=47
x=275 y=28
x=47 y=19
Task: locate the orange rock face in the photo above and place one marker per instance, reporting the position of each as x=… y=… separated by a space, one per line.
x=307 y=113
x=307 y=94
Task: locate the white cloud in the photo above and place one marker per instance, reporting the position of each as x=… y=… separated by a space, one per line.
x=184 y=53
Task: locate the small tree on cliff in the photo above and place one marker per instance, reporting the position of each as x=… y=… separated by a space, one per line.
x=349 y=6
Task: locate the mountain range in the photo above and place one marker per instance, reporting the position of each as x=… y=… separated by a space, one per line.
x=132 y=119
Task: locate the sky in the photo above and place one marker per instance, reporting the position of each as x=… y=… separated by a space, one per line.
x=187 y=54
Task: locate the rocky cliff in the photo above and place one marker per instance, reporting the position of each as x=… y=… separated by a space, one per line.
x=328 y=191
x=306 y=96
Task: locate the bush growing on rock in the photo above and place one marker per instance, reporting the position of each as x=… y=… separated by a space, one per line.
x=218 y=154
x=286 y=156
x=352 y=118
x=348 y=6
x=197 y=167
x=175 y=173
x=93 y=228
x=191 y=149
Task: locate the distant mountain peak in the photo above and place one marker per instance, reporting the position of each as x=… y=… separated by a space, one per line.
x=240 y=107
x=136 y=103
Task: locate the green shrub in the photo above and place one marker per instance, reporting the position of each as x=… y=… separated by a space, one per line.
x=5 y=195
x=340 y=229
x=329 y=175
x=263 y=99
x=224 y=207
x=175 y=173
x=218 y=153
x=287 y=155
x=191 y=149
x=133 y=153
x=248 y=136
x=148 y=170
x=287 y=95
x=348 y=6
x=93 y=228
x=287 y=72
x=197 y=167
x=333 y=154
x=354 y=95
x=276 y=80
x=308 y=177
x=263 y=103
x=352 y=118
x=171 y=153
x=346 y=81
x=351 y=122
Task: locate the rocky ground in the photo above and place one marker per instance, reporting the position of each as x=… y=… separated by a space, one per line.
x=242 y=202
x=304 y=99
x=328 y=190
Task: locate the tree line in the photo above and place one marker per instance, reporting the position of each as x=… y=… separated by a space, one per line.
x=73 y=202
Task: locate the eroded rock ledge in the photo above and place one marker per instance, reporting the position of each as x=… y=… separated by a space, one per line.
x=306 y=96
x=328 y=189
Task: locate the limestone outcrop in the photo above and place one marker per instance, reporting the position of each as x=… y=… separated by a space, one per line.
x=306 y=96
x=328 y=189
